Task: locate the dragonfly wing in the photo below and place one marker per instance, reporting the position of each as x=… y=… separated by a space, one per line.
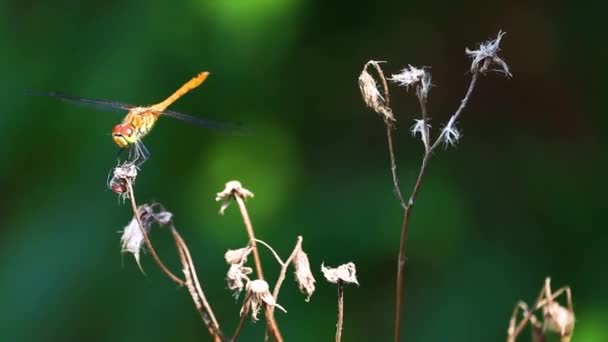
x=233 y=127
x=100 y=104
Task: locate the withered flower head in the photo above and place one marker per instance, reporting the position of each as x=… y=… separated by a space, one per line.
x=232 y=189
x=258 y=293
x=412 y=76
x=237 y=257
x=120 y=175
x=346 y=274
x=132 y=239
x=558 y=319
x=304 y=277
x=487 y=55
x=235 y=277
x=370 y=93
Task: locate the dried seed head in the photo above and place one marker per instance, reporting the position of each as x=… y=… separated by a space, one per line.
x=418 y=78
x=422 y=128
x=120 y=175
x=132 y=239
x=235 y=277
x=346 y=274
x=237 y=257
x=232 y=189
x=450 y=134
x=487 y=55
x=558 y=319
x=258 y=293
x=304 y=277
x=370 y=93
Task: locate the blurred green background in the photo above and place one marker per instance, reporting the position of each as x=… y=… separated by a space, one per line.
x=520 y=198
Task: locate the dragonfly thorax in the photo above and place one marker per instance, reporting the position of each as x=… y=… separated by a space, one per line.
x=124 y=135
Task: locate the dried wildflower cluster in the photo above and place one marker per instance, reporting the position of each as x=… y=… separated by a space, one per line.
x=238 y=276
x=557 y=319
x=419 y=79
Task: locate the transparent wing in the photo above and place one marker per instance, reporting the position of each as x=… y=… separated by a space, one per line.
x=100 y=104
x=233 y=127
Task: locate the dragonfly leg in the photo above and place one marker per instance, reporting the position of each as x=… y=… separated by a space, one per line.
x=142 y=153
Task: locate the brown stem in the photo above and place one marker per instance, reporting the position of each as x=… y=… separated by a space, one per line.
x=456 y=115
x=402 y=249
x=272 y=324
x=340 y=311
x=160 y=264
x=195 y=289
x=284 y=266
x=279 y=283
x=250 y=232
x=407 y=209
x=391 y=153
x=239 y=327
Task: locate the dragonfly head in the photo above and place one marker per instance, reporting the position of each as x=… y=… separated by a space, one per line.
x=123 y=135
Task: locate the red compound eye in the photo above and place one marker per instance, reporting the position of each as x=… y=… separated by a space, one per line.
x=123 y=130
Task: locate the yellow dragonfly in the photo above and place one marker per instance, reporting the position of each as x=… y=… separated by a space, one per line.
x=140 y=119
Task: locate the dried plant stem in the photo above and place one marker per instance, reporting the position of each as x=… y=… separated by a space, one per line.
x=463 y=104
x=284 y=266
x=391 y=153
x=160 y=264
x=239 y=327
x=340 y=322
x=252 y=239
x=274 y=253
x=195 y=289
x=191 y=282
x=272 y=324
x=407 y=207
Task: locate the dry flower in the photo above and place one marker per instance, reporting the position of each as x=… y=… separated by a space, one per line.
x=370 y=93
x=237 y=257
x=132 y=239
x=558 y=319
x=346 y=274
x=304 y=277
x=450 y=134
x=487 y=55
x=411 y=76
x=120 y=175
x=235 y=277
x=258 y=293
x=420 y=126
x=232 y=189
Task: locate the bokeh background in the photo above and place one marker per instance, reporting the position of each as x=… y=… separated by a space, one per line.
x=520 y=198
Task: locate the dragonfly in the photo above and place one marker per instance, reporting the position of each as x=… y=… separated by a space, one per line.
x=139 y=120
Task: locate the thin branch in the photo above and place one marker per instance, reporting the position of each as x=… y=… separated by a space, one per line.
x=160 y=264
x=279 y=283
x=276 y=256
x=456 y=115
x=272 y=324
x=250 y=232
x=340 y=322
x=424 y=114
x=391 y=154
x=239 y=327
x=284 y=266
x=195 y=289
